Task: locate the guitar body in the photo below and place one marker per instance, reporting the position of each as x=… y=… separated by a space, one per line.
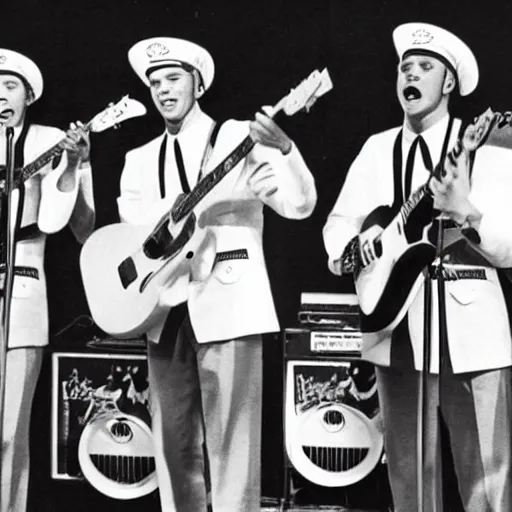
x=386 y=287
x=125 y=268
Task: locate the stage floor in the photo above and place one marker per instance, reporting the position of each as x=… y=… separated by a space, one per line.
x=315 y=508
x=272 y=505
x=311 y=508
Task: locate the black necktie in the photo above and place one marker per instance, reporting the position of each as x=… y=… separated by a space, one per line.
x=427 y=160
x=181 y=167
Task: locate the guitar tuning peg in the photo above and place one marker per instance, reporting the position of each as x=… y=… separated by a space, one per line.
x=117 y=126
x=505 y=119
x=111 y=104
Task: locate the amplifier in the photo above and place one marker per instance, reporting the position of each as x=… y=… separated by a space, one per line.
x=101 y=419
x=336 y=309
x=332 y=425
x=316 y=341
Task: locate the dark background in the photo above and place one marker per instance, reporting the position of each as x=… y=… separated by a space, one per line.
x=261 y=49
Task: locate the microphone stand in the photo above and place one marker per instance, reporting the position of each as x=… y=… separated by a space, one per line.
x=443 y=343
x=422 y=410
x=423 y=402
x=8 y=281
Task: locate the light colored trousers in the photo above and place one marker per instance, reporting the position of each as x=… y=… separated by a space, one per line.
x=23 y=366
x=206 y=398
x=476 y=408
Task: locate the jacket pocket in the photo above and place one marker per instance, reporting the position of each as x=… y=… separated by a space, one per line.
x=230 y=266
x=464 y=292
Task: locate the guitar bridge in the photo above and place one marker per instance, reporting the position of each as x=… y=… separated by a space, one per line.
x=127 y=272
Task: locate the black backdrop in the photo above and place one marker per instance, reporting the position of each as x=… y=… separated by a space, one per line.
x=261 y=49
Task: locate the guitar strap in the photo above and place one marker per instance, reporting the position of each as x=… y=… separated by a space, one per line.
x=397 y=173
x=212 y=137
x=31 y=230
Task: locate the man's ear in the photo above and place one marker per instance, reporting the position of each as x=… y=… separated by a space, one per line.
x=198 y=85
x=449 y=83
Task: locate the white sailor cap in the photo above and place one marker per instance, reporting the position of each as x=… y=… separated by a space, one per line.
x=17 y=64
x=159 y=52
x=427 y=39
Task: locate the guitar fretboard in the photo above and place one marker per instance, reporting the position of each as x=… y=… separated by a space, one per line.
x=30 y=169
x=211 y=179
x=417 y=196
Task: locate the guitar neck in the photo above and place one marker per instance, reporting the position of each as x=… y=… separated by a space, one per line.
x=210 y=180
x=414 y=199
x=30 y=169
x=424 y=190
x=302 y=97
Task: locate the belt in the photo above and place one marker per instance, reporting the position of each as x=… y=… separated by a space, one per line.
x=452 y=274
x=18 y=271
x=237 y=254
x=22 y=271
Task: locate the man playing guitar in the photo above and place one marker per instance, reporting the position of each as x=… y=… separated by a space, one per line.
x=476 y=396
x=205 y=359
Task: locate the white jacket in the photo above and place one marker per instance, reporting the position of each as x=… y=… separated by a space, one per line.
x=478 y=326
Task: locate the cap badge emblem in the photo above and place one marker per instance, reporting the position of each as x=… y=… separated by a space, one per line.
x=156 y=50
x=3 y=58
x=422 y=36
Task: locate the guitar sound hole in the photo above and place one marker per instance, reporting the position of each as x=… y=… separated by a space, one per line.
x=190 y=255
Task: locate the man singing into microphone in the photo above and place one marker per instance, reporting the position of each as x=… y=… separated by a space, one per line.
x=60 y=193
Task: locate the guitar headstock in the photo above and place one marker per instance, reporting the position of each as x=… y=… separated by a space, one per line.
x=305 y=94
x=501 y=132
x=114 y=114
x=480 y=130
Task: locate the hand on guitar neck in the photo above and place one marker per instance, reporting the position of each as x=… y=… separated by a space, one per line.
x=77 y=143
x=264 y=129
x=77 y=146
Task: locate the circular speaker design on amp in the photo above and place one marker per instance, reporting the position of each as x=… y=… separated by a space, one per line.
x=332 y=428
x=116 y=454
